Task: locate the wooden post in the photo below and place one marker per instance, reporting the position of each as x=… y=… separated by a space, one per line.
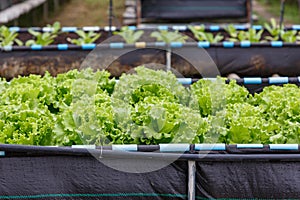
x=138 y=12
x=46 y=11
x=16 y=22
x=34 y=16
x=250 y=12
x=299 y=7
x=110 y=19
x=56 y=5
x=281 y=20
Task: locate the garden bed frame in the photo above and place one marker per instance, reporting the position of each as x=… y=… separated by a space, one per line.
x=202 y=172
x=242 y=58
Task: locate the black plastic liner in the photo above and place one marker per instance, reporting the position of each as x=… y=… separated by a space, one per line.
x=257 y=88
x=71 y=177
x=248 y=180
x=25 y=63
x=260 y=60
x=29 y=172
x=193 y=9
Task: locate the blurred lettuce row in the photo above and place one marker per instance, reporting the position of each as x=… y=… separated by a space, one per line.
x=149 y=107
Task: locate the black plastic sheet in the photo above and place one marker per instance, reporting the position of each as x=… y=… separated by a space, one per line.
x=24 y=63
x=29 y=172
x=258 y=61
x=193 y=9
x=71 y=177
x=250 y=180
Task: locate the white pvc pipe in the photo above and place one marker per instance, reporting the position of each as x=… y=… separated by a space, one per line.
x=192 y=180
x=168 y=59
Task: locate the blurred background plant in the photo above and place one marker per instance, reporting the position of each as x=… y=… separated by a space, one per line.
x=8 y=38
x=128 y=35
x=85 y=37
x=45 y=38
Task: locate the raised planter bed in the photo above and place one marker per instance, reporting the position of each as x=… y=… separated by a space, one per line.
x=201 y=171
x=243 y=58
x=33 y=106
x=232 y=171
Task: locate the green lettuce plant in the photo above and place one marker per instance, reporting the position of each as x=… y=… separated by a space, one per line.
x=130 y=36
x=168 y=36
x=273 y=29
x=149 y=107
x=201 y=35
x=45 y=38
x=84 y=37
x=8 y=38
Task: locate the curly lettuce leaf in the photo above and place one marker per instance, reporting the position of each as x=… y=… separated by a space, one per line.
x=130 y=84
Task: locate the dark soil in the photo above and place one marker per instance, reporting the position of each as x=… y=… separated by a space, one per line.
x=62 y=38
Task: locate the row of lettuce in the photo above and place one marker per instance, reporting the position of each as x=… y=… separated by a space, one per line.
x=149 y=107
x=269 y=32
